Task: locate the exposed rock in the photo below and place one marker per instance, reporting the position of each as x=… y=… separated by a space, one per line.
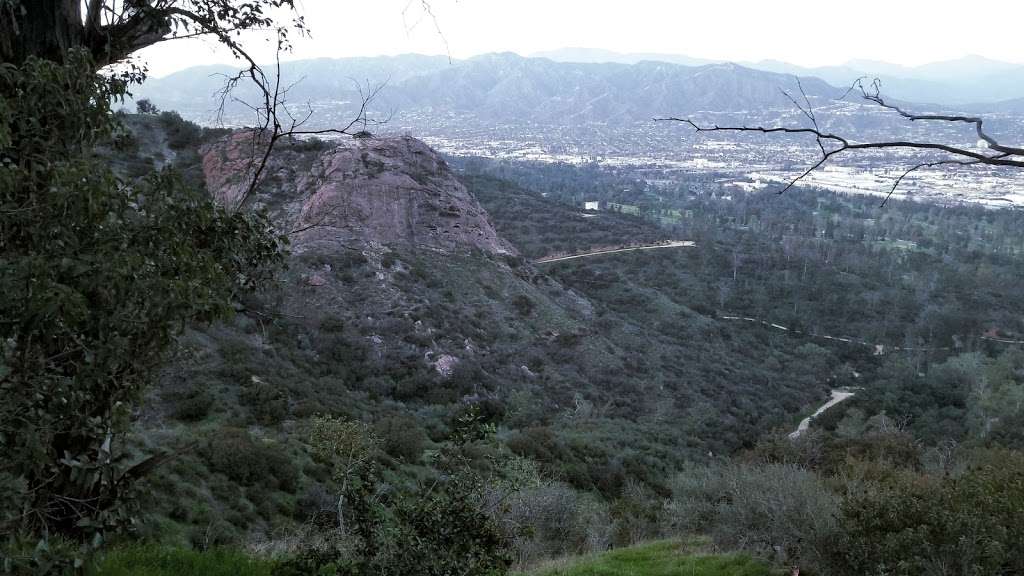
x=445 y=364
x=391 y=191
x=316 y=279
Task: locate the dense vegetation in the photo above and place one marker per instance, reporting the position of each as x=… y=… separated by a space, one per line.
x=98 y=277
x=913 y=474
x=391 y=410
x=624 y=406
x=582 y=405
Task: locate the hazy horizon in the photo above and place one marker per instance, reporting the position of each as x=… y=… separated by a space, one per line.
x=906 y=34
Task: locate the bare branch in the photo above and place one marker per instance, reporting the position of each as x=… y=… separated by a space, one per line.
x=917 y=167
x=997 y=155
x=978 y=122
x=426 y=10
x=274 y=119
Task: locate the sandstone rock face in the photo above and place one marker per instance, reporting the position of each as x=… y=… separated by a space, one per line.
x=390 y=191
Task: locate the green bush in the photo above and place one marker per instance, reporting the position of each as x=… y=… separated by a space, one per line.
x=971 y=525
x=523 y=305
x=192 y=404
x=98 y=279
x=402 y=437
x=181 y=134
x=776 y=510
x=267 y=403
x=250 y=462
x=438 y=529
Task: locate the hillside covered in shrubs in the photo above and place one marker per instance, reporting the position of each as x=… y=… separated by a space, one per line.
x=411 y=375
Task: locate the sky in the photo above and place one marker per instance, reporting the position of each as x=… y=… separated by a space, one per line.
x=803 y=32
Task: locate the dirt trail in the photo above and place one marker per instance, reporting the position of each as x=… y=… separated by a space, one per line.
x=671 y=244
x=837 y=397
x=878 y=348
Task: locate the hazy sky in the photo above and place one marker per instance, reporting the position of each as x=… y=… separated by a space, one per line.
x=805 y=32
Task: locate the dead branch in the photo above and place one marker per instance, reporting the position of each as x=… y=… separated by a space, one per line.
x=426 y=11
x=276 y=120
x=831 y=145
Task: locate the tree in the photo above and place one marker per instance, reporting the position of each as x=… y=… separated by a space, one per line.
x=111 y=31
x=966 y=525
x=98 y=276
x=779 y=510
x=145 y=106
x=436 y=529
x=348 y=446
x=830 y=145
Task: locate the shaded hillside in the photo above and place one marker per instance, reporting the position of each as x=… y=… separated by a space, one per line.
x=405 y=333
x=539 y=226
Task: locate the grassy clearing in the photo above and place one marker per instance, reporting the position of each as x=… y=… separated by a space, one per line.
x=147 y=560
x=665 y=558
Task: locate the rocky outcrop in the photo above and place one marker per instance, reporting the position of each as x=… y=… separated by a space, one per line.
x=390 y=191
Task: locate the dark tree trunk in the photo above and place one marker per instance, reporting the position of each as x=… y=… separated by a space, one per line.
x=42 y=28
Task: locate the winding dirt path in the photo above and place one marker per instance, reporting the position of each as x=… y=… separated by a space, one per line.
x=878 y=348
x=837 y=397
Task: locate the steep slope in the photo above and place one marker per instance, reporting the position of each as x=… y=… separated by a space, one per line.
x=380 y=317
x=393 y=191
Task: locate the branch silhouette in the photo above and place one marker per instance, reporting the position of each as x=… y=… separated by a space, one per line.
x=832 y=145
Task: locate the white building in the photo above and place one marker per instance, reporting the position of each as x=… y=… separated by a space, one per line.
x=591 y=205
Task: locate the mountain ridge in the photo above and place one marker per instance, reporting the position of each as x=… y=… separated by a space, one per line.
x=971 y=79
x=508 y=88
x=504 y=86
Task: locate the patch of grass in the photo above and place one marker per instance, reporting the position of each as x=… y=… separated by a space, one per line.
x=151 y=560
x=664 y=558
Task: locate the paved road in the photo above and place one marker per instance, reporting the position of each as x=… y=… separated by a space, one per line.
x=672 y=244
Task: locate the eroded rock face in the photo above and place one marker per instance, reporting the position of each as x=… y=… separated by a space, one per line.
x=392 y=191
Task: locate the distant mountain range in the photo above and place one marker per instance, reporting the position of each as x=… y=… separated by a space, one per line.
x=503 y=97
x=502 y=88
x=967 y=80
x=599 y=56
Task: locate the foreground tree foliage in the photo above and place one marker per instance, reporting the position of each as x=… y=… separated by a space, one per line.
x=972 y=524
x=98 y=275
x=440 y=529
x=869 y=520
x=111 y=31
